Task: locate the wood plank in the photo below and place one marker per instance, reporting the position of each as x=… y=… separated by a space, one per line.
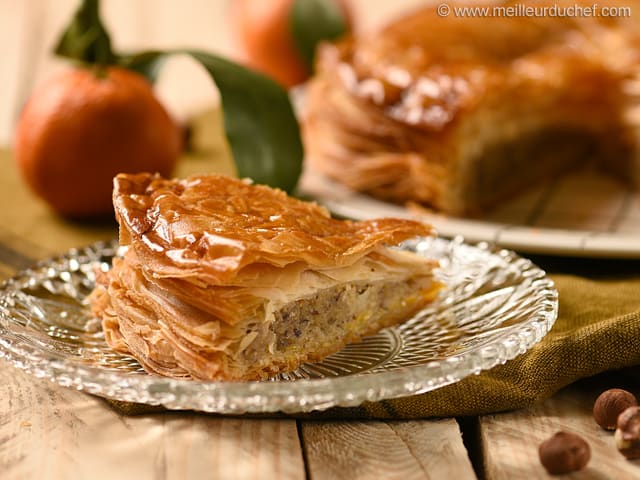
x=420 y=449
x=51 y=432
x=510 y=441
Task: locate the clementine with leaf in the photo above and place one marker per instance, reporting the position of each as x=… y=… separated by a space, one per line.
x=278 y=37
x=81 y=128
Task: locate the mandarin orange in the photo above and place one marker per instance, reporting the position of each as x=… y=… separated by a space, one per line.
x=82 y=127
x=263 y=30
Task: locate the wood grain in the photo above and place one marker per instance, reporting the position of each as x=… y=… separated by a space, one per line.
x=50 y=432
x=510 y=441
x=422 y=449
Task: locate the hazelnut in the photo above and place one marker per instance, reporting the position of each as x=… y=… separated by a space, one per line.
x=610 y=404
x=627 y=434
x=564 y=453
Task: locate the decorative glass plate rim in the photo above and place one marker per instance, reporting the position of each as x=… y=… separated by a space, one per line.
x=298 y=396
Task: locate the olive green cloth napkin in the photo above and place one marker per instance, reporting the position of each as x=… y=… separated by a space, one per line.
x=598 y=329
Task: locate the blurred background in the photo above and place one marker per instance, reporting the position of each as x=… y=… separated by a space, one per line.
x=30 y=28
x=588 y=210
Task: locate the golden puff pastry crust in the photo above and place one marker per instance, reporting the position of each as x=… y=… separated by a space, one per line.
x=224 y=280
x=459 y=112
x=213 y=227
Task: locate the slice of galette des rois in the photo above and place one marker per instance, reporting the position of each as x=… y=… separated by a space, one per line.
x=225 y=280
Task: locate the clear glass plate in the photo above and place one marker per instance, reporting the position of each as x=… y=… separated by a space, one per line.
x=495 y=307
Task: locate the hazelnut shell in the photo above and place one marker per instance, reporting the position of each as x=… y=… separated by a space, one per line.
x=610 y=404
x=627 y=434
x=564 y=453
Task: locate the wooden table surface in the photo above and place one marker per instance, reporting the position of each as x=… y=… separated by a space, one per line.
x=52 y=432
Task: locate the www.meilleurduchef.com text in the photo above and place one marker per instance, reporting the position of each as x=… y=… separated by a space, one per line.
x=528 y=10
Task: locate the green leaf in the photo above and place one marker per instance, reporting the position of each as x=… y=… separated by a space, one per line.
x=147 y=64
x=314 y=21
x=86 y=39
x=260 y=125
